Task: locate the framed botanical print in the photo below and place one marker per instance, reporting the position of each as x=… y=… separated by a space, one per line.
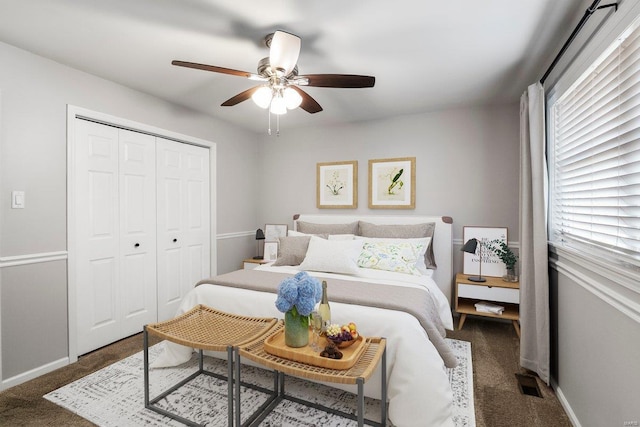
x=392 y=183
x=337 y=185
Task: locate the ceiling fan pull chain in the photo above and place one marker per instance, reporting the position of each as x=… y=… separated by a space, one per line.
x=277 y=124
x=269 y=114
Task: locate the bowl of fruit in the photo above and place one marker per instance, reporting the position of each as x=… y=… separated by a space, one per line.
x=342 y=336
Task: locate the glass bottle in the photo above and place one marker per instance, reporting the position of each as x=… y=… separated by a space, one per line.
x=323 y=307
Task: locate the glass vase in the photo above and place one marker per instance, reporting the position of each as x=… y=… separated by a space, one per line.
x=296 y=329
x=511 y=275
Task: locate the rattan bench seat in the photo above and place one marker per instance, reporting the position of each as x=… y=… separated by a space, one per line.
x=373 y=354
x=204 y=328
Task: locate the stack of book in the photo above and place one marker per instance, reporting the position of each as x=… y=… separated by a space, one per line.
x=487 y=307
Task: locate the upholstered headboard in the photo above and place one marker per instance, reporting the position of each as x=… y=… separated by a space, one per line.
x=442 y=238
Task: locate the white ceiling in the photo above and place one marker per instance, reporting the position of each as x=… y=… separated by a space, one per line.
x=425 y=54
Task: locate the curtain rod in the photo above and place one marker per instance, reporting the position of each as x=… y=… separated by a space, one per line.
x=587 y=14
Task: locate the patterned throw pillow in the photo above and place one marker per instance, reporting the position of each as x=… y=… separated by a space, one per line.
x=396 y=257
x=426 y=229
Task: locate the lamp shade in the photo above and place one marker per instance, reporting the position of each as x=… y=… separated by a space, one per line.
x=292 y=99
x=470 y=246
x=259 y=234
x=278 y=105
x=262 y=97
x=284 y=51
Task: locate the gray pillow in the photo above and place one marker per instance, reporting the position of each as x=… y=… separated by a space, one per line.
x=292 y=250
x=403 y=231
x=313 y=228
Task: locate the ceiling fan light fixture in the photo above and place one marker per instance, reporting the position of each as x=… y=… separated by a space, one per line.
x=278 y=104
x=262 y=97
x=292 y=98
x=283 y=52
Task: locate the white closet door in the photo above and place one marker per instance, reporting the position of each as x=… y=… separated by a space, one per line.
x=115 y=209
x=97 y=234
x=183 y=222
x=137 y=231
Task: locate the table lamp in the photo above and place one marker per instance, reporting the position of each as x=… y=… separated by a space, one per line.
x=259 y=236
x=470 y=247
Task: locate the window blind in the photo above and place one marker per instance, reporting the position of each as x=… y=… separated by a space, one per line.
x=595 y=144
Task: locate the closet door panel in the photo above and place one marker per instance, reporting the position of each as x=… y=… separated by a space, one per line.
x=183 y=222
x=137 y=231
x=97 y=231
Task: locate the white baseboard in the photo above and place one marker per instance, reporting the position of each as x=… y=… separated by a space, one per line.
x=34 y=373
x=565 y=405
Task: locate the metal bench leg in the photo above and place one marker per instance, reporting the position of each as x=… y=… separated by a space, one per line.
x=360 y=382
x=146 y=366
x=230 y=385
x=383 y=387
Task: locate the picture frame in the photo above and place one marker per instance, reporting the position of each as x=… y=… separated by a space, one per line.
x=270 y=251
x=392 y=183
x=272 y=232
x=492 y=266
x=337 y=185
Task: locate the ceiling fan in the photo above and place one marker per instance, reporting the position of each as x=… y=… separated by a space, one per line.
x=280 y=89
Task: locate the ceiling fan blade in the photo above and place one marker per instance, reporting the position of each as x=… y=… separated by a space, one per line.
x=284 y=51
x=308 y=104
x=216 y=69
x=336 y=80
x=242 y=96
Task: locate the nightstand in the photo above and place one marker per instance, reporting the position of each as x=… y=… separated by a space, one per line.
x=250 y=263
x=494 y=290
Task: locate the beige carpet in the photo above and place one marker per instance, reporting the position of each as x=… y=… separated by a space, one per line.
x=499 y=402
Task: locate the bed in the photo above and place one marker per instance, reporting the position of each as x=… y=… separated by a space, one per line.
x=418 y=387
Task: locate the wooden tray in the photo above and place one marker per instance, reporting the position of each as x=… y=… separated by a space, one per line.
x=275 y=345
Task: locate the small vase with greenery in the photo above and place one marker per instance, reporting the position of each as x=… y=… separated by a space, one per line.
x=506 y=255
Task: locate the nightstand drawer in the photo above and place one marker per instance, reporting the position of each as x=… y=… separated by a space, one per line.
x=489 y=293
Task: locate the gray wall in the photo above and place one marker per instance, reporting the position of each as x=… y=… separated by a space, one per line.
x=596 y=340
x=467 y=162
x=35 y=93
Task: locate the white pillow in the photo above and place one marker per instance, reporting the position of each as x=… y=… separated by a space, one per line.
x=341 y=236
x=332 y=256
x=293 y=233
x=399 y=257
x=420 y=245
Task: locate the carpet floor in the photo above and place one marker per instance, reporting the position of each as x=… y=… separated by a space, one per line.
x=495 y=352
x=113 y=396
x=496 y=361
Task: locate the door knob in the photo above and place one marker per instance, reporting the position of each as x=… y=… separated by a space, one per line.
x=137 y=245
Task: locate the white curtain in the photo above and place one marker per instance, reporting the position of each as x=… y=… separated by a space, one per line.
x=534 y=272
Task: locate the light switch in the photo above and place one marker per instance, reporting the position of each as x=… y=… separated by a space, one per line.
x=17 y=199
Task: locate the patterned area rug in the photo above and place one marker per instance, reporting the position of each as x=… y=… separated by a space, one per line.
x=114 y=395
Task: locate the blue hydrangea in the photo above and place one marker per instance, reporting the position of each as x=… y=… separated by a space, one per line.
x=301 y=275
x=288 y=289
x=301 y=291
x=305 y=306
x=283 y=305
x=306 y=289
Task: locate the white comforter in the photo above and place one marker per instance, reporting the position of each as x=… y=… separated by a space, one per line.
x=418 y=387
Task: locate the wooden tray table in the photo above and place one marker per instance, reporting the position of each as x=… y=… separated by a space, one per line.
x=205 y=328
